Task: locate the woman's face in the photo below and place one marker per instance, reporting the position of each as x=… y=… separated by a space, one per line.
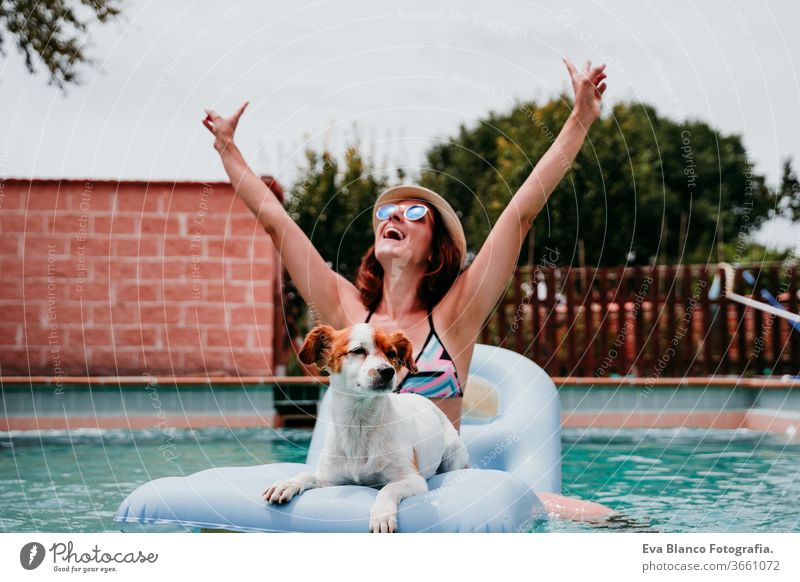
x=403 y=240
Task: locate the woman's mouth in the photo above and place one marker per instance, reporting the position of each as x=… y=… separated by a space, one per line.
x=393 y=233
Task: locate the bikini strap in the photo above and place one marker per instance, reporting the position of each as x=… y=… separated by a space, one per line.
x=370 y=315
x=444 y=349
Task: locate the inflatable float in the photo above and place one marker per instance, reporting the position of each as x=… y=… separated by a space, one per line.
x=510 y=427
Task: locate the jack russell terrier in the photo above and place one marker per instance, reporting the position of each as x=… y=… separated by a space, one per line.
x=376 y=438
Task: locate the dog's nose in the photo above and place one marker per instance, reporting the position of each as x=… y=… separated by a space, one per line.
x=386 y=373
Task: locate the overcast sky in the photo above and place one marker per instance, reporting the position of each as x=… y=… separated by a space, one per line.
x=400 y=77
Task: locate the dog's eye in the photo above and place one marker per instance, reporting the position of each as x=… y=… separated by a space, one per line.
x=358 y=351
x=391 y=354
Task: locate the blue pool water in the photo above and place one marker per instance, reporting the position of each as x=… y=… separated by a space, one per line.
x=672 y=480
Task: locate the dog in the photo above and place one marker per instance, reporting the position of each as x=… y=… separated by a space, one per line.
x=377 y=437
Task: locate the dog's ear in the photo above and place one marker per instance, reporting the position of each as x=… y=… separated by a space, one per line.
x=316 y=348
x=405 y=351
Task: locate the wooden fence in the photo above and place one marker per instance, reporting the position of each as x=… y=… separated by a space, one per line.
x=647 y=321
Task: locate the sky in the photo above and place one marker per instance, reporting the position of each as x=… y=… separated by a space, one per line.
x=395 y=77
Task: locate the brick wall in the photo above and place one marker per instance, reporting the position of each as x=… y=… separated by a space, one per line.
x=122 y=278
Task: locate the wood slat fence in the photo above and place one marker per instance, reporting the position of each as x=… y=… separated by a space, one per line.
x=647 y=321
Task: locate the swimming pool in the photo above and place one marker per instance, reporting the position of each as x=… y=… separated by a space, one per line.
x=672 y=480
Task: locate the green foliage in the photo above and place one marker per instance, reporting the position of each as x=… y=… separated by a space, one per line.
x=52 y=32
x=789 y=192
x=644 y=187
x=751 y=253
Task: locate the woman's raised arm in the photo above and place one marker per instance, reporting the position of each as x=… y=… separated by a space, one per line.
x=478 y=289
x=324 y=289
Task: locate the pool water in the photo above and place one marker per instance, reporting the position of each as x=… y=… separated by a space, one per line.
x=672 y=480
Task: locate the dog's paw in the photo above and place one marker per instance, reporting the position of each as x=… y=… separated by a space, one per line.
x=383 y=519
x=282 y=491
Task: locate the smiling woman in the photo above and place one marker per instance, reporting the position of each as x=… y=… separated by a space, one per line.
x=413 y=278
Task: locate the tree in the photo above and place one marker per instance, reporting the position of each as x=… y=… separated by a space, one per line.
x=790 y=192
x=643 y=188
x=51 y=32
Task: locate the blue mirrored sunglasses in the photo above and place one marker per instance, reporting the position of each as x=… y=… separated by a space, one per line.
x=413 y=212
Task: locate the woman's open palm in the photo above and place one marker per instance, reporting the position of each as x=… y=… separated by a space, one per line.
x=588 y=87
x=223 y=128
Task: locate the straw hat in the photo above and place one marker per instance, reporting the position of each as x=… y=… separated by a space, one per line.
x=449 y=216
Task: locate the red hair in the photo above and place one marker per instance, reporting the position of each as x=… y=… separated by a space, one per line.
x=445 y=268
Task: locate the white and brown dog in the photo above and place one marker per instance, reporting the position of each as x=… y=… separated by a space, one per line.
x=376 y=437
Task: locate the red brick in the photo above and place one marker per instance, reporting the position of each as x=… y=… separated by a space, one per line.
x=251 y=315
x=250 y=271
x=10 y=335
x=22 y=362
x=89 y=197
x=204 y=315
x=205 y=269
x=91 y=291
x=89 y=336
x=225 y=292
x=139 y=202
x=163 y=363
x=137 y=247
x=229 y=247
x=93 y=246
x=146 y=336
x=54 y=202
x=113 y=225
x=161 y=313
x=42 y=290
x=221 y=337
x=10 y=289
x=168 y=270
x=262 y=338
x=20 y=223
x=68 y=223
x=35 y=335
x=196 y=204
x=184 y=337
x=162 y=225
x=180 y=247
x=153 y=270
x=138 y=293
x=42 y=246
x=11 y=268
x=119 y=314
x=181 y=292
x=261 y=295
x=208 y=225
x=14 y=199
x=211 y=361
x=67 y=268
x=10 y=245
x=118 y=270
x=115 y=361
x=29 y=313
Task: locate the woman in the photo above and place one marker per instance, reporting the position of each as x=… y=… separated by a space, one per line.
x=411 y=278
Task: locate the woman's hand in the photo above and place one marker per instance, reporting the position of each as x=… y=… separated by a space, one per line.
x=589 y=88
x=222 y=128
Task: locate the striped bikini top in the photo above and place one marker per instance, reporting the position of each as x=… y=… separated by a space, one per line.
x=436 y=376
